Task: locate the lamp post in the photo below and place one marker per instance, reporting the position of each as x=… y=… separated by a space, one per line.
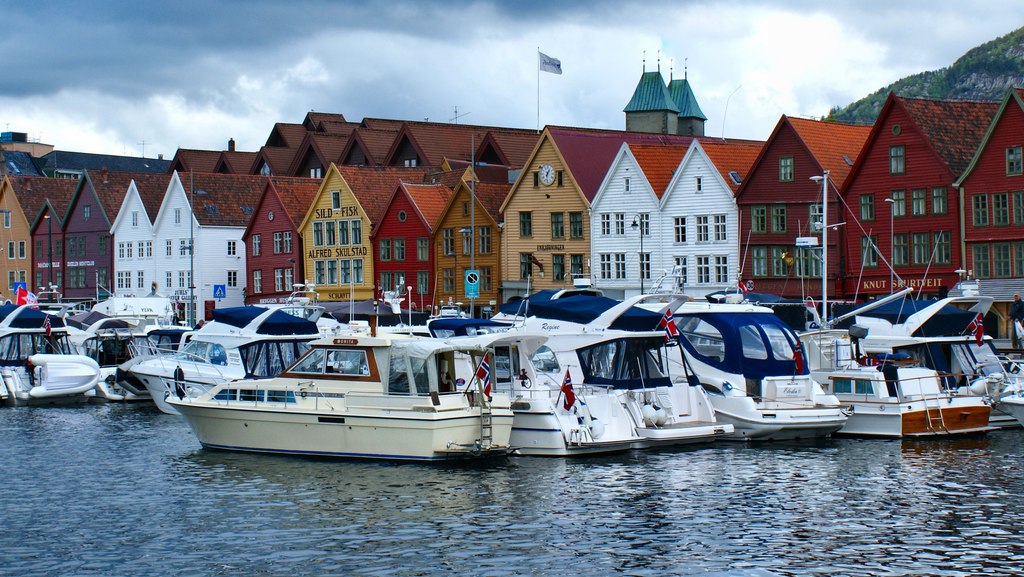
x=49 y=244
x=892 y=247
x=467 y=236
x=637 y=226
x=824 y=246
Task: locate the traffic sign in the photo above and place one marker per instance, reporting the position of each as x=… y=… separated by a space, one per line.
x=20 y=285
x=472 y=283
x=219 y=291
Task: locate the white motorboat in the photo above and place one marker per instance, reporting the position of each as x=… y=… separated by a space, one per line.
x=899 y=398
x=36 y=364
x=361 y=396
x=240 y=342
x=1014 y=406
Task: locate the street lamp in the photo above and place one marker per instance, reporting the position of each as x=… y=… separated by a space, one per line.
x=467 y=237
x=49 y=243
x=637 y=226
x=892 y=247
x=823 y=179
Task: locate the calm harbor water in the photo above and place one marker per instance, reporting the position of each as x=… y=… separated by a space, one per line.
x=125 y=490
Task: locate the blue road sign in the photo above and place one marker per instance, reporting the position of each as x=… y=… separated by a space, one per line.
x=219 y=291
x=20 y=285
x=472 y=283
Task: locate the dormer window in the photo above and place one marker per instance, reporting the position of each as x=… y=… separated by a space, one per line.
x=786 y=169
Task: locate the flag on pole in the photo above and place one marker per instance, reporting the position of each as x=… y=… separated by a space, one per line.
x=668 y=325
x=977 y=328
x=26 y=297
x=798 y=358
x=570 y=396
x=745 y=286
x=46 y=325
x=549 y=64
x=483 y=372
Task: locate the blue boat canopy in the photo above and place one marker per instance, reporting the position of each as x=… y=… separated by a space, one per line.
x=756 y=345
x=29 y=318
x=456 y=327
x=277 y=323
x=948 y=321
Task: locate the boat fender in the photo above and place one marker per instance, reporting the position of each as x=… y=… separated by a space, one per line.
x=649 y=415
x=596 y=428
x=660 y=416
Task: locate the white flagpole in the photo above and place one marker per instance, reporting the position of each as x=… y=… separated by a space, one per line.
x=538 y=89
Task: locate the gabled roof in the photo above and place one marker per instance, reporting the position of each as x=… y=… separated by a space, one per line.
x=151 y=192
x=111 y=188
x=372 y=186
x=658 y=162
x=1014 y=97
x=513 y=146
x=278 y=158
x=831 y=143
x=429 y=200
x=66 y=160
x=33 y=192
x=450 y=178
x=235 y=162
x=954 y=128
x=223 y=199
x=651 y=94
x=434 y=141
x=373 y=142
x=186 y=159
x=296 y=194
x=495 y=173
x=314 y=121
x=682 y=95
x=287 y=135
x=19 y=163
x=732 y=157
x=491 y=196
x=326 y=147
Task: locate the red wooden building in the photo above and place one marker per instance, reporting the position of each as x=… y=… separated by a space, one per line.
x=900 y=205
x=779 y=202
x=274 y=262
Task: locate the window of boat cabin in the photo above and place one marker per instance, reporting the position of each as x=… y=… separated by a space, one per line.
x=347 y=362
x=625 y=363
x=544 y=360
x=311 y=363
x=399 y=367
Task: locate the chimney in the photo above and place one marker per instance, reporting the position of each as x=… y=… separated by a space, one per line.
x=106 y=175
x=231 y=145
x=160 y=156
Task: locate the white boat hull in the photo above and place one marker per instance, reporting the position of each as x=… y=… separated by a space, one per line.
x=941 y=417
x=56 y=379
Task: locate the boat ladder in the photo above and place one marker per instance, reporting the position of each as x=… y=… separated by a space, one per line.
x=486 y=430
x=933 y=415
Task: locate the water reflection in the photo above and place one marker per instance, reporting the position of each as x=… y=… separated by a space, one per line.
x=116 y=490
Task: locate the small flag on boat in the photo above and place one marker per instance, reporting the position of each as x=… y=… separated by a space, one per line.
x=977 y=328
x=26 y=297
x=46 y=325
x=570 y=396
x=798 y=358
x=745 y=286
x=668 y=325
x=483 y=372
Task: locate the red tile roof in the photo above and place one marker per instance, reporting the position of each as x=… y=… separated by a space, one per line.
x=286 y=135
x=223 y=199
x=492 y=196
x=658 y=162
x=514 y=145
x=435 y=141
x=236 y=162
x=831 y=143
x=954 y=128
x=735 y=157
x=315 y=120
x=278 y=158
x=111 y=188
x=196 y=160
x=32 y=193
x=373 y=186
x=429 y=199
x=496 y=173
x=375 y=144
x=296 y=194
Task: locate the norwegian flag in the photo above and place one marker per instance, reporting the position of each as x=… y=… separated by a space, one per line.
x=570 y=396
x=46 y=325
x=483 y=372
x=798 y=358
x=977 y=328
x=745 y=286
x=669 y=326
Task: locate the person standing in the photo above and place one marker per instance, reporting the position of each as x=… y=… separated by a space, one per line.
x=1016 y=317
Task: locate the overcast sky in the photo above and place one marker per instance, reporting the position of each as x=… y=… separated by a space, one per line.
x=107 y=76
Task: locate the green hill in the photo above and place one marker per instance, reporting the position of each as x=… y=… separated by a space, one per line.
x=983 y=73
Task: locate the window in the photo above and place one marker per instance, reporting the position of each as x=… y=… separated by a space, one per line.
x=759 y=218
x=135 y=218
x=625 y=184
x=103 y=246
x=606 y=266
x=422 y=282
x=721 y=269
x=181 y=279
x=232 y=248
x=786 y=169
x=182 y=248
x=278 y=279
x=320 y=272
x=941 y=250
x=815 y=217
x=422 y=249
x=448 y=241
x=780 y=267
x=620 y=223
x=867 y=207
x=525 y=265
x=1014 y=165
x=335 y=199
x=558 y=266
x=345 y=270
x=255 y=241
x=287 y=242
x=318 y=233
x=177 y=216
x=606 y=224
x=560 y=177
x=981 y=261
x=399 y=249
x=467 y=241
x=703 y=228
x=918 y=202
x=1018 y=258
x=332 y=272
x=128 y=246
x=536 y=179
x=21 y=248
x=808 y=265
x=680 y=265
x=899 y=203
x=1000 y=209
x=277 y=243
x=980 y=209
x=257 y=281
x=448 y=280
x=939 y=204
x=330 y=239
x=10 y=250
x=698 y=185
x=7 y=219
x=779 y=218
x=87 y=212
x=679 y=229
x=644 y=223
x=703 y=270
x=900 y=250
x=868 y=256
x=526 y=223
x=922 y=247
x=759 y=261
x=343 y=238
x=1018 y=207
x=575 y=225
x=645 y=265
x=576 y=264
x=720 y=230
x=140 y=247
x=897 y=159
x=486 y=279
x=1001 y=259
x=384 y=252
x=620 y=265
x=169 y=244
x=485 y=240
x=169 y=278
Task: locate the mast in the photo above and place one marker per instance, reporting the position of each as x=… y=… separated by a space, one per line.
x=824 y=246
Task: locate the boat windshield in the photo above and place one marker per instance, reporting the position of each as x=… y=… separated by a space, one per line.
x=756 y=345
x=204 y=351
x=626 y=363
x=17 y=347
x=268 y=358
x=544 y=360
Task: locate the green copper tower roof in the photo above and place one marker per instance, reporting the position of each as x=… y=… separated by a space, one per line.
x=686 y=102
x=651 y=94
